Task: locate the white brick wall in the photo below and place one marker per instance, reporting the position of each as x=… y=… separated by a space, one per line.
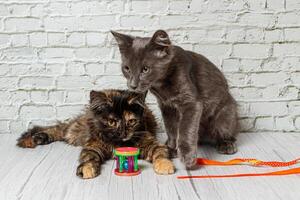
x=53 y=52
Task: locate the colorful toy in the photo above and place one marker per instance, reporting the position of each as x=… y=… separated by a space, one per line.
x=247 y=161
x=127 y=161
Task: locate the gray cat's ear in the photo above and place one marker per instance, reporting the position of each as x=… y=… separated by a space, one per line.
x=160 y=42
x=138 y=98
x=161 y=38
x=124 y=41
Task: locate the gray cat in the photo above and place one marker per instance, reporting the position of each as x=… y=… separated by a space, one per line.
x=192 y=93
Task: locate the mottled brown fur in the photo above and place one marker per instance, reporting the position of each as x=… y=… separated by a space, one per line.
x=114 y=118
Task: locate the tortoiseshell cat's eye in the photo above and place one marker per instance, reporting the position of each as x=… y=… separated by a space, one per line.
x=111 y=122
x=132 y=122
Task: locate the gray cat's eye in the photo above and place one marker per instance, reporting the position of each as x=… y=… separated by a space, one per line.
x=126 y=68
x=146 y=69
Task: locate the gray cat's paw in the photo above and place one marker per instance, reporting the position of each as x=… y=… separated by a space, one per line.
x=227 y=147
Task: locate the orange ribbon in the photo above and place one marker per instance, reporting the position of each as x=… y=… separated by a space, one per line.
x=247 y=161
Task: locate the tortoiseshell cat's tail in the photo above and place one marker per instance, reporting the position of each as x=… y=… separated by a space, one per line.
x=42 y=135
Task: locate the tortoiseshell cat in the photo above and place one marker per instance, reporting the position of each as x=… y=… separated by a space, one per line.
x=114 y=118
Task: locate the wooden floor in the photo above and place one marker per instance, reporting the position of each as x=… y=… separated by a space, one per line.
x=48 y=172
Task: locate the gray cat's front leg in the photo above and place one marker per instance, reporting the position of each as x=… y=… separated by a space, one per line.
x=171 y=119
x=188 y=133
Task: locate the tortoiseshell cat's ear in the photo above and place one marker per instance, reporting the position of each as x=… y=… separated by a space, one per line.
x=97 y=96
x=160 y=42
x=99 y=100
x=124 y=41
x=138 y=98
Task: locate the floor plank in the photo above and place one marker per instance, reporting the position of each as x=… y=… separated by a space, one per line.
x=48 y=172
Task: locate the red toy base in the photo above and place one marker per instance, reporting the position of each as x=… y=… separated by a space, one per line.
x=127 y=173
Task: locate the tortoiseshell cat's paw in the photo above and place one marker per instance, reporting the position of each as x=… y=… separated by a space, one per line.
x=89 y=169
x=31 y=139
x=227 y=147
x=163 y=166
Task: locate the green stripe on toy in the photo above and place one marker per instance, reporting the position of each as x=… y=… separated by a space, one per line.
x=127 y=161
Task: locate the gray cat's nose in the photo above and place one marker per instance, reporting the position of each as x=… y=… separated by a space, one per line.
x=133 y=87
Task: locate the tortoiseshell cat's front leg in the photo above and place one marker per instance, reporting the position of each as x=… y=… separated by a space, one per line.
x=153 y=151
x=92 y=156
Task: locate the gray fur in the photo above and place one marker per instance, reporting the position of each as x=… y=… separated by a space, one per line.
x=192 y=93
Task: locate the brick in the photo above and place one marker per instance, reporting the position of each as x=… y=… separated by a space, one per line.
x=8 y=83
x=4 y=40
x=149 y=7
x=118 y=82
x=92 y=53
x=251 y=50
x=5 y=97
x=56 y=39
x=74 y=68
x=257 y=19
x=76 y=39
x=295 y=78
x=22 y=24
x=4 y=126
x=284 y=123
x=288 y=19
x=36 y=82
x=254 y=35
x=4 y=69
x=19 y=40
x=251 y=65
x=268 y=108
x=277 y=5
x=8 y=112
x=75 y=97
x=168 y=21
x=4 y=10
x=138 y=21
x=235 y=35
x=68 y=111
x=213 y=50
x=37 y=112
x=74 y=82
x=273 y=35
x=292 y=4
x=113 y=69
x=19 y=9
x=264 y=124
x=290 y=49
x=19 y=53
x=297 y=123
x=94 y=69
x=56 y=53
x=231 y=65
x=38 y=39
x=19 y=97
x=77 y=24
x=39 y=96
x=56 y=97
x=292 y=34
x=266 y=79
x=95 y=39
